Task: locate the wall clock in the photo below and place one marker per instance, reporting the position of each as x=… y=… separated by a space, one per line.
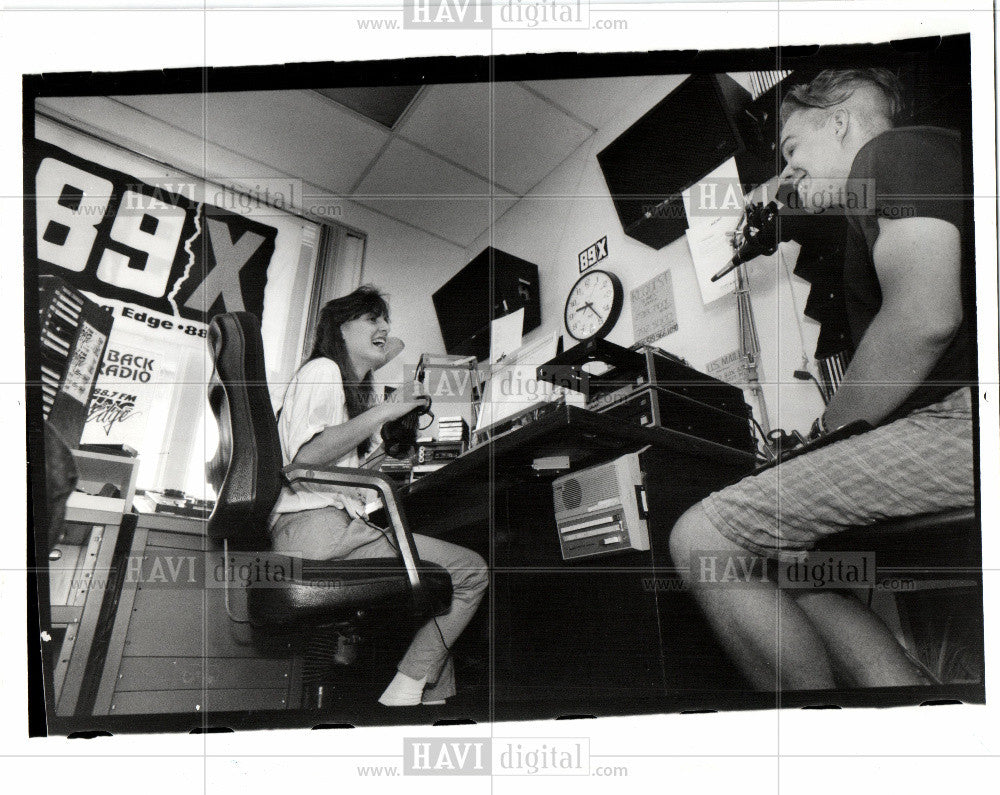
x=593 y=305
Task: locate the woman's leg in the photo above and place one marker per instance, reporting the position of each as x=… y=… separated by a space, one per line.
x=427 y=659
x=428 y=655
x=326 y=534
x=444 y=687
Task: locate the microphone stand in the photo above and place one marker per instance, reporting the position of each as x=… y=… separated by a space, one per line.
x=758 y=232
x=749 y=343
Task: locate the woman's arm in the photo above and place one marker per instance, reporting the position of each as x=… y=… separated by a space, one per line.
x=335 y=441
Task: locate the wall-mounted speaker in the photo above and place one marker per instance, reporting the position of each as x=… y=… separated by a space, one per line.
x=684 y=137
x=465 y=307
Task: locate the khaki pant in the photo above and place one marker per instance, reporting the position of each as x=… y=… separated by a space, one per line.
x=331 y=534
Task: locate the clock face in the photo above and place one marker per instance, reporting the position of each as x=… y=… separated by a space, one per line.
x=593 y=305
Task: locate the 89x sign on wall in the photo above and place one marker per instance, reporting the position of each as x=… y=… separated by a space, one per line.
x=110 y=234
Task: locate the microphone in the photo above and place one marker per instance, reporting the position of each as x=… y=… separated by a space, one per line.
x=759 y=231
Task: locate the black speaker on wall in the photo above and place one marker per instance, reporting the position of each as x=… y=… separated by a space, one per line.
x=463 y=304
x=685 y=136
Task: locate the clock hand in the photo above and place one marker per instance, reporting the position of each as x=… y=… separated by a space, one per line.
x=590 y=306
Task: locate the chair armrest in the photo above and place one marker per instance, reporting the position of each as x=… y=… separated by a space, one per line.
x=367 y=479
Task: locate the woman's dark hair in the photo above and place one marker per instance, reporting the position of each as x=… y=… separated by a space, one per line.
x=366 y=300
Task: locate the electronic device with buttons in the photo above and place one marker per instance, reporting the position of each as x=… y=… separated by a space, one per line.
x=648 y=386
x=601 y=509
x=74 y=335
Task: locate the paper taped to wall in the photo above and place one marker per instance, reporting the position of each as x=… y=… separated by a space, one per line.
x=714 y=206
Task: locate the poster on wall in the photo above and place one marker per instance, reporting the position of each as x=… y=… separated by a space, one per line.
x=654 y=314
x=122 y=401
x=730 y=367
x=713 y=206
x=146 y=247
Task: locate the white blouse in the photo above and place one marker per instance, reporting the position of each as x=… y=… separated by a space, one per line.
x=314 y=400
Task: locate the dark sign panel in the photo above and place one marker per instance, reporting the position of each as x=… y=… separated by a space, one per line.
x=153 y=245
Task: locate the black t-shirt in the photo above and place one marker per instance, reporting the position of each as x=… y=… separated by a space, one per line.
x=902 y=173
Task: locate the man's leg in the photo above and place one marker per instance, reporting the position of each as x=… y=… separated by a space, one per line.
x=762 y=628
x=793 y=638
x=860 y=644
x=921 y=463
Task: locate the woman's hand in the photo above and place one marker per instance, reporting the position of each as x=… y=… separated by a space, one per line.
x=396 y=406
x=336 y=441
x=393 y=347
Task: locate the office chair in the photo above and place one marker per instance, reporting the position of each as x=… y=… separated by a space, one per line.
x=934 y=564
x=325 y=606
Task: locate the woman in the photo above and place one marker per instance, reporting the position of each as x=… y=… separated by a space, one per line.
x=328 y=417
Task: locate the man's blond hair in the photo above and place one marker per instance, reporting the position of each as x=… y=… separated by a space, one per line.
x=872 y=94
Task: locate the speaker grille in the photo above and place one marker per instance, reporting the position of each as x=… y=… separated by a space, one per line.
x=599 y=483
x=571 y=493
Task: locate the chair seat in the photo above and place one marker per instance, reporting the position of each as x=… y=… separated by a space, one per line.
x=941 y=540
x=948 y=523
x=958 y=521
x=330 y=591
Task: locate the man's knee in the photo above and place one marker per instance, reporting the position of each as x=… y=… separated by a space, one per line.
x=687 y=535
x=694 y=531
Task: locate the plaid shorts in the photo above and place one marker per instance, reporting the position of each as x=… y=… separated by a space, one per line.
x=919 y=464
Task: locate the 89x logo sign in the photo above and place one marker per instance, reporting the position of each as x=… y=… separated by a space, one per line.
x=110 y=234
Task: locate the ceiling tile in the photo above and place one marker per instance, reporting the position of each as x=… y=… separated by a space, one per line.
x=381 y=104
x=421 y=189
x=594 y=100
x=404 y=169
x=531 y=137
x=502 y=204
x=454 y=121
x=458 y=221
x=298 y=131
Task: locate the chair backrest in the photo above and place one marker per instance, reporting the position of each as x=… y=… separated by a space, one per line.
x=246 y=469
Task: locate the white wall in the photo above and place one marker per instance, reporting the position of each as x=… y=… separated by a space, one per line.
x=408 y=265
x=572 y=209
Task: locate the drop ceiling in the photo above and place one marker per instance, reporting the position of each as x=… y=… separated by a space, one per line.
x=445 y=159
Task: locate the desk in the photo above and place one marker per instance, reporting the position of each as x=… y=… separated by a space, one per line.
x=78 y=582
x=457 y=496
x=596 y=636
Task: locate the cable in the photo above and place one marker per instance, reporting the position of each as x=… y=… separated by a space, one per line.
x=444 y=643
x=374 y=459
x=768 y=455
x=806 y=375
x=382 y=530
x=385 y=533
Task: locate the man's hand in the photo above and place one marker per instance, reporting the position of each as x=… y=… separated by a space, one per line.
x=918 y=263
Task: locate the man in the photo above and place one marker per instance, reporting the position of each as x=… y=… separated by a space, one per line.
x=908 y=290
